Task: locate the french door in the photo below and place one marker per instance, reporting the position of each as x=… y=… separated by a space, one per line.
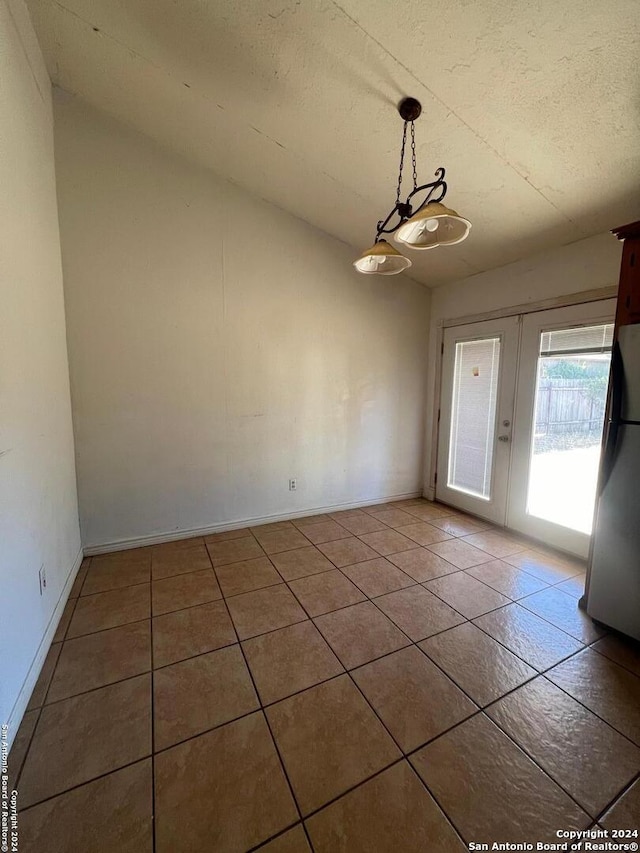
x=476 y=414
x=521 y=418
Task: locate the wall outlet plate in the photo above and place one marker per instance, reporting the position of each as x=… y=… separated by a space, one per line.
x=293 y=485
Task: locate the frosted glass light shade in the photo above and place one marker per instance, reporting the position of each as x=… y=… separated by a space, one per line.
x=434 y=225
x=381 y=259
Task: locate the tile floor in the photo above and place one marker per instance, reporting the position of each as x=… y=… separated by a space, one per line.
x=394 y=678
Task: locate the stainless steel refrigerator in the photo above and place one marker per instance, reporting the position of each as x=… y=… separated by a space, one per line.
x=613 y=595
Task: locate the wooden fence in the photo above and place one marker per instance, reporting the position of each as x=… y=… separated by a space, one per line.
x=568 y=406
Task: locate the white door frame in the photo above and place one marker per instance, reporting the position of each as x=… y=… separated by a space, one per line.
x=579 y=298
x=571 y=300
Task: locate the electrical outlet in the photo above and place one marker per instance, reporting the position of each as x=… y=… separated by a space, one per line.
x=42 y=577
x=293 y=485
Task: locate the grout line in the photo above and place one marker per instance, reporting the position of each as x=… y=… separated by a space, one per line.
x=273 y=739
x=86 y=782
x=539 y=673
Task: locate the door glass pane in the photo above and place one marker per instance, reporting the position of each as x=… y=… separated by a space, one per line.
x=571 y=395
x=473 y=416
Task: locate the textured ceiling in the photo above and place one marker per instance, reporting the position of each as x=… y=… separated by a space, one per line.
x=532 y=107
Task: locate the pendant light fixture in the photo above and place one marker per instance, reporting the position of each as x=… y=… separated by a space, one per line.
x=422 y=225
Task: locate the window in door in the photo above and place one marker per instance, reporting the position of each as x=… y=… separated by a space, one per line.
x=570 y=400
x=473 y=416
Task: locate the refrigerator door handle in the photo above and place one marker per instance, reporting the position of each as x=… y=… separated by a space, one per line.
x=617 y=391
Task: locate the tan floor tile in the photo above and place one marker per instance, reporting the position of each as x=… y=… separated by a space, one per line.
x=141 y=556
x=562 y=610
x=429 y=511
x=345 y=513
x=326 y=531
x=483 y=668
x=325 y=592
x=547 y=567
x=286 y=539
x=103 y=658
x=460 y=553
x=176 y=545
x=512 y=582
x=460 y=525
x=588 y=758
x=388 y=542
x=289 y=660
x=114 y=576
x=227 y=535
x=272 y=527
x=230 y=784
x=292 y=841
x=391 y=813
x=622 y=650
x=282 y=540
x=384 y=506
x=300 y=563
x=310 y=519
x=496 y=543
x=359 y=524
x=86 y=736
x=182 y=591
x=391 y=517
x=412 y=697
x=179 y=561
x=193 y=631
x=234 y=550
x=573 y=586
x=345 y=552
x=247 y=575
x=120 y=806
x=199 y=694
x=65 y=620
x=422 y=565
x=418 y=612
x=623 y=814
x=467 y=595
x=44 y=679
x=329 y=740
x=80 y=578
x=19 y=747
x=491 y=790
x=264 y=610
x=607 y=689
x=537 y=642
x=423 y=533
x=110 y=609
x=377 y=577
x=360 y=633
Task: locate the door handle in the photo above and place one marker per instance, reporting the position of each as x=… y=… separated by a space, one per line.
x=503 y=438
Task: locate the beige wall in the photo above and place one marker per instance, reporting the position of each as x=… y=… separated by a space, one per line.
x=219 y=347
x=584 y=266
x=38 y=506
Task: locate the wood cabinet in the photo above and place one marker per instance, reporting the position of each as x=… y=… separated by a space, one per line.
x=628 y=310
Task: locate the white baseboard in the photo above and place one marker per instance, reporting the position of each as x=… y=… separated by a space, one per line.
x=430 y=493
x=158 y=539
x=20 y=705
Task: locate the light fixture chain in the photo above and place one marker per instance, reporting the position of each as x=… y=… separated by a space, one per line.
x=413 y=156
x=404 y=142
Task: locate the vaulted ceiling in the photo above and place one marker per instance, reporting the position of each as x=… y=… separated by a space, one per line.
x=533 y=107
